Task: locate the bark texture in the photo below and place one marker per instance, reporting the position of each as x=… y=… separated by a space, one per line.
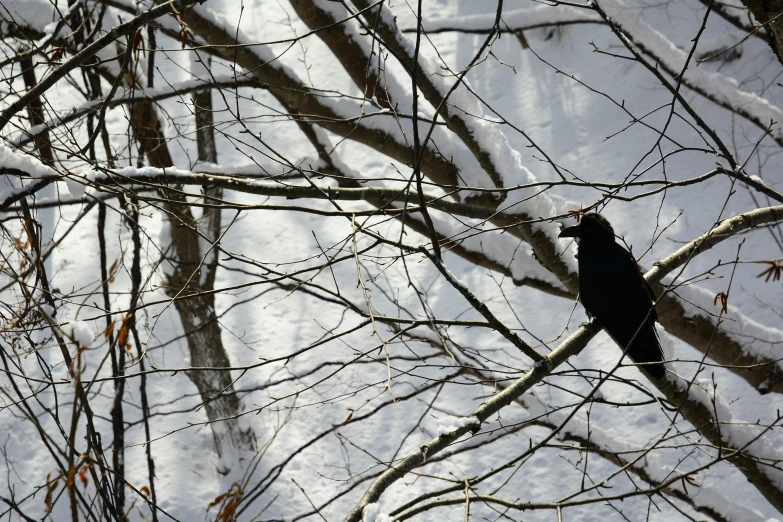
x=196 y=309
x=769 y=13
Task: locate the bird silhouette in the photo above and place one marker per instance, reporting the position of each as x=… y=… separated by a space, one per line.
x=613 y=291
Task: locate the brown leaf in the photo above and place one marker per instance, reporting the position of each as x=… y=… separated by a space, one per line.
x=122 y=339
x=724 y=301
x=217 y=501
x=51 y=486
x=230 y=501
x=577 y=213
x=113 y=270
x=690 y=480
x=109 y=330
x=71 y=474
x=138 y=43
x=55 y=54
x=774 y=272
x=83 y=474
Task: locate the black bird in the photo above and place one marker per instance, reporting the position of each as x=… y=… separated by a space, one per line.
x=613 y=291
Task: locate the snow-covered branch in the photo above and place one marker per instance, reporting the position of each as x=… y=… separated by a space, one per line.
x=693 y=410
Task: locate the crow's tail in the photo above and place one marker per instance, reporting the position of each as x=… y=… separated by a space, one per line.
x=646 y=348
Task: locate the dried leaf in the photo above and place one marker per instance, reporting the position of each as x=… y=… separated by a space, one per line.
x=138 y=43
x=577 y=213
x=51 y=486
x=113 y=270
x=109 y=329
x=724 y=301
x=774 y=272
x=70 y=478
x=230 y=501
x=217 y=501
x=690 y=480
x=122 y=339
x=83 y=474
x=55 y=55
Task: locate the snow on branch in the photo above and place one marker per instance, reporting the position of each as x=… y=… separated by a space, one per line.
x=464 y=114
x=523 y=266
x=724 y=230
x=692 y=410
x=540 y=15
x=24 y=164
x=450 y=424
x=742 y=325
x=719 y=88
x=37 y=14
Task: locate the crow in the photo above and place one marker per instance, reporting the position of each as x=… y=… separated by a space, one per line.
x=613 y=291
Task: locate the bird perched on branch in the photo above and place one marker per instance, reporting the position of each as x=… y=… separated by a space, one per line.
x=613 y=291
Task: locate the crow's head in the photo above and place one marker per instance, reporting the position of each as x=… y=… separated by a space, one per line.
x=594 y=229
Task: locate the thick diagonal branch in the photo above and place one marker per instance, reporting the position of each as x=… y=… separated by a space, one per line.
x=692 y=410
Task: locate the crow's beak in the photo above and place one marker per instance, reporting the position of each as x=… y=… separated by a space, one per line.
x=570 y=232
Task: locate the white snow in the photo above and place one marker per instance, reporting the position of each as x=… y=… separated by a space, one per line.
x=513 y=18
x=752 y=439
x=77 y=185
x=490 y=137
x=260 y=322
x=27 y=163
x=34 y=13
x=755 y=338
x=48 y=310
x=81 y=333
x=450 y=424
x=723 y=87
x=667 y=344
x=370 y=512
